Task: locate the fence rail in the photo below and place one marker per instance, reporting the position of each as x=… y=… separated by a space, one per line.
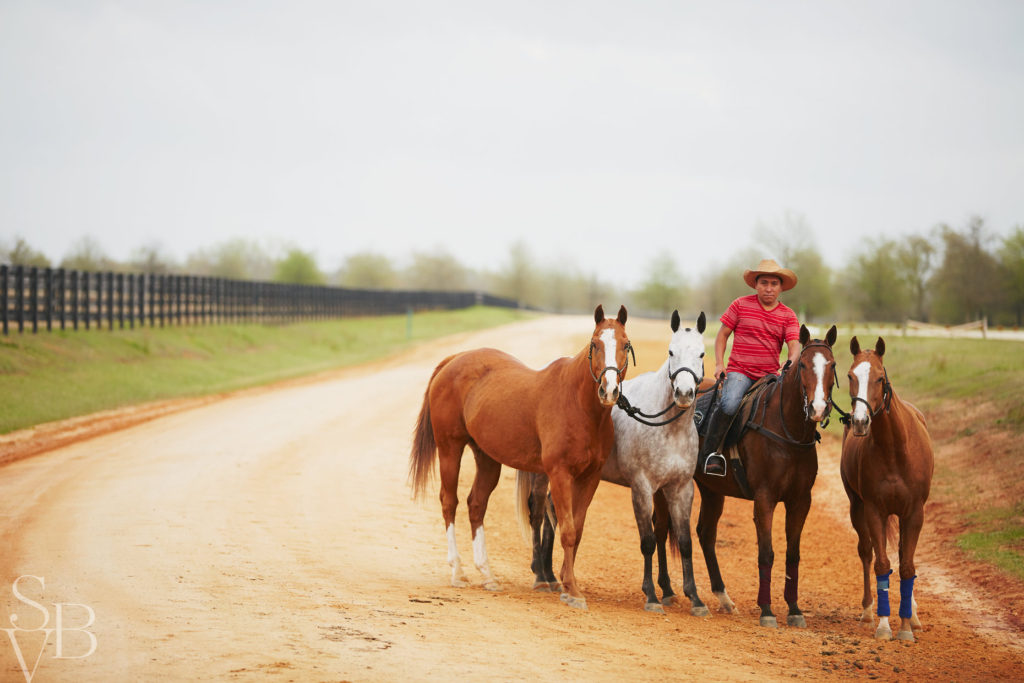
x=55 y=298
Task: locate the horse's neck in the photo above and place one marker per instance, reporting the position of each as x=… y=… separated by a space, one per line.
x=577 y=374
x=649 y=390
x=787 y=392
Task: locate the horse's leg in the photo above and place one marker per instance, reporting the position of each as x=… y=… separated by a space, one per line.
x=680 y=502
x=863 y=551
x=876 y=524
x=572 y=498
x=488 y=471
x=796 y=516
x=910 y=531
x=543 y=535
x=662 y=519
x=548 y=544
x=643 y=511
x=764 y=513
x=449 y=461
x=711 y=505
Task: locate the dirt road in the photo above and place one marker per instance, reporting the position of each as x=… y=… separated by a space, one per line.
x=271 y=535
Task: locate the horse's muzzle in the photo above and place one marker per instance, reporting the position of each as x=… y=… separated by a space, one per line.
x=608 y=389
x=684 y=398
x=860 y=427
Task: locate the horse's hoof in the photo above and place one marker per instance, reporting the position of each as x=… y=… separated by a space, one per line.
x=769 y=622
x=576 y=603
x=905 y=635
x=670 y=601
x=699 y=610
x=492 y=586
x=867 y=616
x=883 y=634
x=460 y=583
x=541 y=587
x=725 y=603
x=796 y=620
x=654 y=607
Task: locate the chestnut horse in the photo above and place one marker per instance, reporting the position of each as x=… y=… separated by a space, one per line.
x=887 y=469
x=655 y=459
x=779 y=456
x=556 y=420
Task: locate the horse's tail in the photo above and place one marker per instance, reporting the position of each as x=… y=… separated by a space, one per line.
x=524 y=487
x=424 y=446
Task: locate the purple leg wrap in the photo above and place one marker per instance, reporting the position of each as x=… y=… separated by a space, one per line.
x=764 y=592
x=792 y=573
x=883 y=594
x=907 y=597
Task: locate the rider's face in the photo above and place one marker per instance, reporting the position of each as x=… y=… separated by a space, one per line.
x=768 y=288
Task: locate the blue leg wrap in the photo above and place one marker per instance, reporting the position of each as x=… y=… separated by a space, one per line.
x=907 y=597
x=883 y=594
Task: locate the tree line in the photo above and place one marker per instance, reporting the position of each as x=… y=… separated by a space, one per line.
x=946 y=275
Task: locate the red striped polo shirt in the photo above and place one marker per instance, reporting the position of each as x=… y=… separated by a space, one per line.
x=758 y=335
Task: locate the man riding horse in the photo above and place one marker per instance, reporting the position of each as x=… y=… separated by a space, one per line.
x=761 y=325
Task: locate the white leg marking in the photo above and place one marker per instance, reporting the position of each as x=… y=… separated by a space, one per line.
x=480 y=559
x=458 y=576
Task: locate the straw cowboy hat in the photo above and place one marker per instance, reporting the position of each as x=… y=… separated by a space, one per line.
x=769 y=267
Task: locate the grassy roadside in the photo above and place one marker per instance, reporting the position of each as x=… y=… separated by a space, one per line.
x=970 y=390
x=56 y=375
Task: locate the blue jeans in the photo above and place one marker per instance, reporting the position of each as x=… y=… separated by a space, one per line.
x=735 y=385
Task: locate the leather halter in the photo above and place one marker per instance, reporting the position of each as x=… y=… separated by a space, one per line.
x=847 y=418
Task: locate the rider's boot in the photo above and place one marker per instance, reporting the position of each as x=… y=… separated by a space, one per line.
x=710 y=453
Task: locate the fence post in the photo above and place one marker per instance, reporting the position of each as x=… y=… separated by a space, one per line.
x=62 y=289
x=33 y=280
x=48 y=298
x=74 y=299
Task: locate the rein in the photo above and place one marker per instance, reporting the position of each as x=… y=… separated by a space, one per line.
x=639 y=415
x=788 y=439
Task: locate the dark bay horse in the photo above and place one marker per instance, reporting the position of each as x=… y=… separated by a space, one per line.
x=654 y=455
x=779 y=457
x=556 y=420
x=887 y=469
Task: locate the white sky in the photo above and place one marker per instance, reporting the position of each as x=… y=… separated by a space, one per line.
x=601 y=133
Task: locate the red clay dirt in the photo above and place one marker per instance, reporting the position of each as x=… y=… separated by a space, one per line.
x=270 y=534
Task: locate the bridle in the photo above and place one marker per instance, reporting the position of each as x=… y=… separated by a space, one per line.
x=803 y=392
x=627 y=349
x=847 y=418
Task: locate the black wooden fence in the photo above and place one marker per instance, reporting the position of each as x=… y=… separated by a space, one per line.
x=55 y=298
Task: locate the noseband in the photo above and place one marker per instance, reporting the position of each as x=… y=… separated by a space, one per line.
x=628 y=350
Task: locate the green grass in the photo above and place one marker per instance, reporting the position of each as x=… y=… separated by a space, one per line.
x=998 y=538
x=55 y=375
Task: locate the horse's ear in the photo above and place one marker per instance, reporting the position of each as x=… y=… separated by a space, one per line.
x=622 y=315
x=598 y=314
x=675 y=321
x=805 y=335
x=880 y=347
x=830 y=338
x=701 y=322
x=854 y=346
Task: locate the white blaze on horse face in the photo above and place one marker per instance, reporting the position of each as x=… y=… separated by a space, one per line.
x=609 y=379
x=686 y=349
x=818 y=403
x=860 y=408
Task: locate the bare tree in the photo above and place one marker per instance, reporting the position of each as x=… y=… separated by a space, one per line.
x=367 y=270
x=21 y=253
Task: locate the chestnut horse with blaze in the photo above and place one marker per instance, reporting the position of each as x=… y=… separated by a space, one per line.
x=887 y=467
x=556 y=420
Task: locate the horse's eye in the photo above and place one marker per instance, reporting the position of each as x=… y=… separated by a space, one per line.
x=702 y=355
x=670 y=353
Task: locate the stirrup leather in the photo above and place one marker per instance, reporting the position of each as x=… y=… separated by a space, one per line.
x=717 y=457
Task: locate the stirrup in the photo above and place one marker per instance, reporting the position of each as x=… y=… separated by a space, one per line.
x=716 y=457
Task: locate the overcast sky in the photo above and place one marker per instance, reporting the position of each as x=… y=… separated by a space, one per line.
x=600 y=133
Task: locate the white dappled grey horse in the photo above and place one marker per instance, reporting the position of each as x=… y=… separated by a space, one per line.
x=654 y=455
